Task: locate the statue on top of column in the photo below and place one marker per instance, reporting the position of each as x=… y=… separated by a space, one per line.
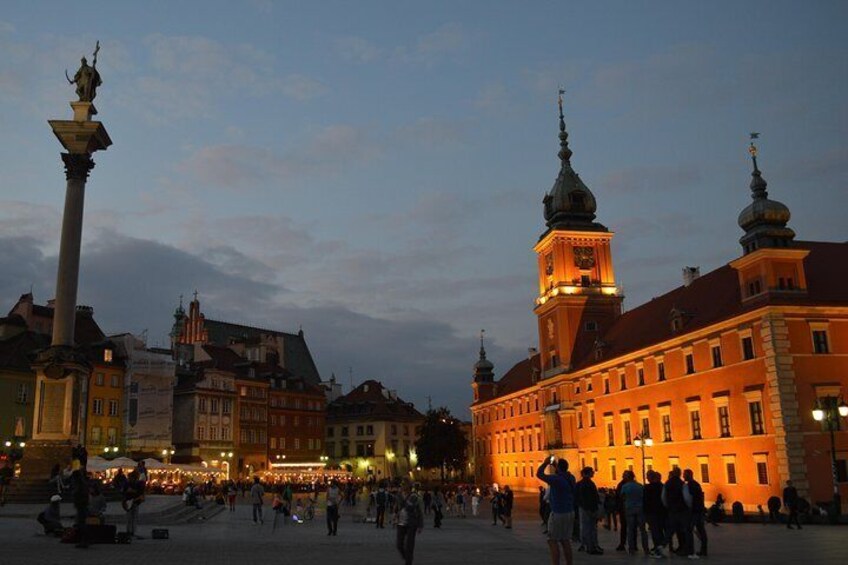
x=87 y=78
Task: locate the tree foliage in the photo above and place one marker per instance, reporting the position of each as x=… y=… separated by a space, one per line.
x=441 y=443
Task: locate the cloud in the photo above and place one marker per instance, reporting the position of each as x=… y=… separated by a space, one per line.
x=134 y=284
x=327 y=150
x=651 y=179
x=433 y=132
x=491 y=97
x=357 y=49
x=301 y=87
x=433 y=47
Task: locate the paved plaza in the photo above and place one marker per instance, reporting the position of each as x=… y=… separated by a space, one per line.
x=232 y=538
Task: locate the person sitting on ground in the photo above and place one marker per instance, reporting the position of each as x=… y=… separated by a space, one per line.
x=50 y=518
x=96 y=502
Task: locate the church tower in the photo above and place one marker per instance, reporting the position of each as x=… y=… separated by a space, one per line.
x=578 y=296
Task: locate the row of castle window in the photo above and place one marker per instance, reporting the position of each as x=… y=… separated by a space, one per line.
x=525 y=470
x=755 y=421
x=512 y=441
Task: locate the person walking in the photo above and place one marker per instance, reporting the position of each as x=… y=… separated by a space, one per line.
x=79 y=484
x=679 y=515
x=790 y=501
x=508 y=501
x=655 y=512
x=633 y=493
x=428 y=501
x=334 y=497
x=381 y=498
x=694 y=496
x=475 y=503
x=232 y=491
x=561 y=520
x=410 y=521
x=496 y=506
x=438 y=505
x=588 y=501
x=622 y=516
x=610 y=510
x=257 y=495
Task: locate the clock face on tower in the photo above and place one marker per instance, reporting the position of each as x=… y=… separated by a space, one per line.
x=584 y=257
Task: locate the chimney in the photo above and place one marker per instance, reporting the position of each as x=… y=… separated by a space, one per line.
x=690 y=274
x=85 y=310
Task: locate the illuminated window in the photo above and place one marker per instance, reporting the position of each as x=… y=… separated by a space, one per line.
x=695 y=419
x=666 y=426
x=107 y=355
x=96 y=435
x=646 y=427
x=755 y=410
x=113 y=407
x=610 y=434
x=723 y=421
x=627 y=438
x=97 y=406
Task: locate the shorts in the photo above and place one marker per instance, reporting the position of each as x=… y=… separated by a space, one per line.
x=560 y=526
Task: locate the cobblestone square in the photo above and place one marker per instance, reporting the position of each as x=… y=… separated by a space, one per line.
x=232 y=538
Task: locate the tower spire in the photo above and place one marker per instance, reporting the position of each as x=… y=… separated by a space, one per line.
x=482 y=349
x=758 y=183
x=564 y=151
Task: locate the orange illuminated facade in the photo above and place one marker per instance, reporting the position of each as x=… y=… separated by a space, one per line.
x=721 y=373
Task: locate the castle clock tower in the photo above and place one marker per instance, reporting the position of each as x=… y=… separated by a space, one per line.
x=578 y=296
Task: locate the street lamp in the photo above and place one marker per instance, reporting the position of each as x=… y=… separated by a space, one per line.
x=829 y=409
x=167 y=454
x=642 y=442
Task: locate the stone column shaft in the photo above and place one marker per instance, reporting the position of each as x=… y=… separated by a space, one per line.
x=77 y=167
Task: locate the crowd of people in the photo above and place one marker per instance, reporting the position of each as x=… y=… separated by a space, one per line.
x=89 y=499
x=658 y=516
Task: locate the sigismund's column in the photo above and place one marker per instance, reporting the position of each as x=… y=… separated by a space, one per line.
x=62 y=370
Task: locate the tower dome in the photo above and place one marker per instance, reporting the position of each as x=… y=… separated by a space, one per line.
x=764 y=220
x=569 y=204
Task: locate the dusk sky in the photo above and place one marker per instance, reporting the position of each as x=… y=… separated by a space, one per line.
x=374 y=171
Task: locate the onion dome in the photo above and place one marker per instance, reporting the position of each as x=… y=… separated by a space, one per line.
x=569 y=204
x=483 y=368
x=764 y=220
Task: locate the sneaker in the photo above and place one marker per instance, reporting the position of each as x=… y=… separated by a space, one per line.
x=694 y=557
x=658 y=554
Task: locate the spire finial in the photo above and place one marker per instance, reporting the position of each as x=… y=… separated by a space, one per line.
x=195 y=295
x=564 y=151
x=758 y=183
x=181 y=301
x=482 y=349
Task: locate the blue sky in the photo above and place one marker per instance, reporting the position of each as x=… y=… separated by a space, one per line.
x=374 y=171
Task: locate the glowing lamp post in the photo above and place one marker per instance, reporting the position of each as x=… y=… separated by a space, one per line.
x=641 y=443
x=829 y=410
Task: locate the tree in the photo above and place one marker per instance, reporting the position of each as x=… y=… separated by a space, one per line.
x=441 y=443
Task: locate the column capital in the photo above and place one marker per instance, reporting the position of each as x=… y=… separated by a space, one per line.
x=77 y=165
